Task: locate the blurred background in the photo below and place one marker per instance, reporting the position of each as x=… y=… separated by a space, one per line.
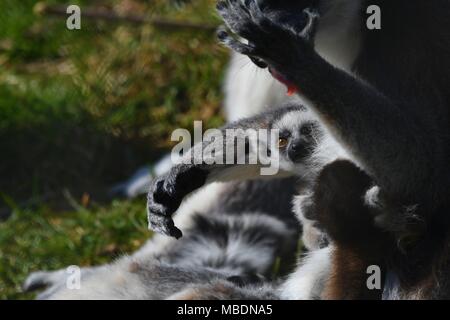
x=81 y=110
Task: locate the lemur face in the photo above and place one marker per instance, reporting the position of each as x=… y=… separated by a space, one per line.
x=299 y=134
x=298 y=144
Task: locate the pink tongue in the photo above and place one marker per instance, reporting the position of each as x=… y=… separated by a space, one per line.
x=291 y=88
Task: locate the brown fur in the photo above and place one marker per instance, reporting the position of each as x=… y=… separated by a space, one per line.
x=348 y=277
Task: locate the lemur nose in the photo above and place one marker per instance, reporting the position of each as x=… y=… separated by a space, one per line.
x=296 y=146
x=297 y=151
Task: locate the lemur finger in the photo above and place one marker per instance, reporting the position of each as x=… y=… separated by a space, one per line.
x=227 y=11
x=154 y=207
x=230 y=42
x=159 y=201
x=296 y=27
x=164 y=225
x=237 y=18
x=259 y=62
x=256 y=19
x=157 y=212
x=258 y=16
x=309 y=31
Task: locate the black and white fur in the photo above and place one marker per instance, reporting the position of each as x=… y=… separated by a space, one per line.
x=229 y=251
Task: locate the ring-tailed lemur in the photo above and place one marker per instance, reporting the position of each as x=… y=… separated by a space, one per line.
x=393 y=122
x=229 y=248
x=232 y=242
x=382 y=62
x=391 y=112
x=227 y=243
x=247 y=93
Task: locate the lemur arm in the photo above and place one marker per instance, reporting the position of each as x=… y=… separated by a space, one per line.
x=206 y=162
x=389 y=141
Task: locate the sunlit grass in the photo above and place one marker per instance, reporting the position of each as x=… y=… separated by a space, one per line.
x=81 y=110
x=43 y=239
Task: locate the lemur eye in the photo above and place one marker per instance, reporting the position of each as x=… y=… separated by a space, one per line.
x=282 y=143
x=306 y=130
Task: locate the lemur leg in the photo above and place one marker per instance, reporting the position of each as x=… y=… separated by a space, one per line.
x=357 y=243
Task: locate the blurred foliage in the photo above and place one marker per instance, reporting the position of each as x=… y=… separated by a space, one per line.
x=81 y=110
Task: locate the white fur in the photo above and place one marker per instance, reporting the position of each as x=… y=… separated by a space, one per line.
x=307 y=281
x=250 y=90
x=371 y=198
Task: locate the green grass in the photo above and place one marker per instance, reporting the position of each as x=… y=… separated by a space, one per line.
x=81 y=110
x=43 y=239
